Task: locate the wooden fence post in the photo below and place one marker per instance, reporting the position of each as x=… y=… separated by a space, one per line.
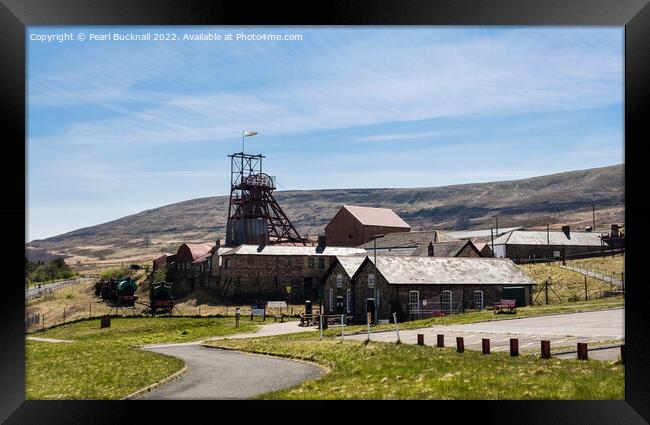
x=441 y=340
x=485 y=342
x=460 y=344
x=582 y=351
x=514 y=347
x=546 y=349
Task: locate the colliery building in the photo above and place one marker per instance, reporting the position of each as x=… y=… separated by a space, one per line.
x=274 y=272
x=420 y=286
x=523 y=245
x=353 y=226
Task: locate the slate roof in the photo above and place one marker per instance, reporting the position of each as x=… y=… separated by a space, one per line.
x=292 y=250
x=350 y=264
x=454 y=270
x=523 y=237
x=441 y=249
x=480 y=233
x=409 y=239
x=376 y=216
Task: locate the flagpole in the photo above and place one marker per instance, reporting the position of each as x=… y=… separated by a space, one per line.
x=242 y=140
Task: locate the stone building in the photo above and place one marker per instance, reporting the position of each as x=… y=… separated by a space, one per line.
x=405 y=243
x=189 y=267
x=522 y=245
x=353 y=226
x=273 y=272
x=415 y=287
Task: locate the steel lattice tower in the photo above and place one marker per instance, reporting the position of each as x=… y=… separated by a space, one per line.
x=254 y=216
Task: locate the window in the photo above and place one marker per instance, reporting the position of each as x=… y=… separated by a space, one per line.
x=219 y=258
x=331 y=300
x=371 y=280
x=227 y=264
x=447 y=301
x=414 y=301
x=478 y=299
x=339 y=280
x=289 y=261
x=310 y=262
x=321 y=263
x=349 y=301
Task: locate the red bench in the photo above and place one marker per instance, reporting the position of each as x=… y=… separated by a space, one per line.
x=510 y=305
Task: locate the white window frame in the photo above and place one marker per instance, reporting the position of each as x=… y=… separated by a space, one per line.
x=220 y=260
x=481 y=304
x=348 y=300
x=414 y=301
x=331 y=299
x=371 y=280
x=447 y=306
x=339 y=280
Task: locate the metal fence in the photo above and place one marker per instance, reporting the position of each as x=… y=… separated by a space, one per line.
x=434 y=309
x=43 y=289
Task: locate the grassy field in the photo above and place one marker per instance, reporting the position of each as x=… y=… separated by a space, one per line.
x=567 y=284
x=104 y=363
x=610 y=264
x=398 y=371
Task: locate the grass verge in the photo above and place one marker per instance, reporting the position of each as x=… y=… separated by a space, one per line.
x=390 y=371
x=105 y=363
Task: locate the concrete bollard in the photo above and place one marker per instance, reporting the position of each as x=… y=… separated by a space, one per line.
x=441 y=341
x=546 y=349
x=582 y=351
x=485 y=342
x=420 y=339
x=460 y=344
x=514 y=347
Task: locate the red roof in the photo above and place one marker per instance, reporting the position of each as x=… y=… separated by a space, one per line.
x=376 y=216
x=193 y=251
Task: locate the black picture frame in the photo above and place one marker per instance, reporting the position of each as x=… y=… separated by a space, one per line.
x=15 y=15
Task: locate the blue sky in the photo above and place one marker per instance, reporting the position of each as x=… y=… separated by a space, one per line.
x=117 y=127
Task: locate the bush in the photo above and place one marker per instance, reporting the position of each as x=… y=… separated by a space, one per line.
x=115 y=273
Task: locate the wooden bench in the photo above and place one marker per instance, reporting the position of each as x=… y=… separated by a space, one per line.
x=510 y=305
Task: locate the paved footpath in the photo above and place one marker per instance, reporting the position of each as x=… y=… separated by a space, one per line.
x=222 y=374
x=271 y=329
x=563 y=330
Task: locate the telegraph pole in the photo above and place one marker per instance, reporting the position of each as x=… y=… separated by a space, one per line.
x=593 y=213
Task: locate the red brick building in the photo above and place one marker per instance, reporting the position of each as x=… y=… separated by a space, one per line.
x=353 y=226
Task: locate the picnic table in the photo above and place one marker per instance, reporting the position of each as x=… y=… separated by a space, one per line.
x=509 y=305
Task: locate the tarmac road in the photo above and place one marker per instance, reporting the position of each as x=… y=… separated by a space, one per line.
x=563 y=330
x=222 y=374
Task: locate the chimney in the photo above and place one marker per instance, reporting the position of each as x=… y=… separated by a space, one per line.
x=614 y=233
x=430 y=252
x=322 y=241
x=567 y=231
x=217 y=245
x=261 y=240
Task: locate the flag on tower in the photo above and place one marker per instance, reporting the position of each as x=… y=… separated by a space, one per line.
x=249 y=133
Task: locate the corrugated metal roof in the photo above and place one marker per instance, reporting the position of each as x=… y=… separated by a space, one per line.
x=376 y=216
x=196 y=250
x=455 y=270
x=409 y=239
x=292 y=250
x=480 y=233
x=350 y=264
x=530 y=237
